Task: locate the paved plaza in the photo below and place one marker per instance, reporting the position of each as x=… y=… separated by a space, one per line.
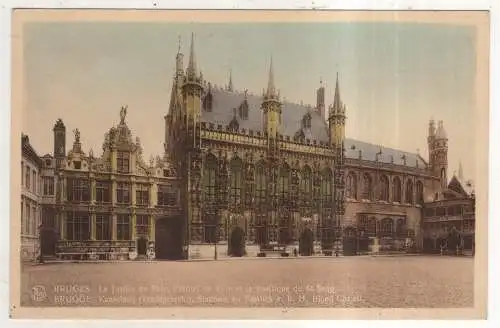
x=365 y=281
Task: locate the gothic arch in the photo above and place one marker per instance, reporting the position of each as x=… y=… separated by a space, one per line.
x=326 y=183
x=367 y=187
x=384 y=188
x=210 y=177
x=409 y=192
x=260 y=182
x=371 y=229
x=386 y=227
x=351 y=186
x=396 y=189
x=284 y=181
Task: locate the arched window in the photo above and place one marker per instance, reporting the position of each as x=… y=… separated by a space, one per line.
x=420 y=192
x=386 y=227
x=384 y=188
x=396 y=189
x=367 y=187
x=409 y=192
x=284 y=182
x=209 y=178
x=351 y=186
x=306 y=182
x=326 y=184
x=236 y=167
x=260 y=183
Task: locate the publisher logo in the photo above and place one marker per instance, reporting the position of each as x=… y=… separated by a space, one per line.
x=38 y=293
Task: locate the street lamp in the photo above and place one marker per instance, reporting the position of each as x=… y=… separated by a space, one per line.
x=40 y=253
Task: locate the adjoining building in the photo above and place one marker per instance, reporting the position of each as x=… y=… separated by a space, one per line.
x=30 y=200
x=241 y=175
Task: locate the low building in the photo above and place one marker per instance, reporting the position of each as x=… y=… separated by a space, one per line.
x=30 y=200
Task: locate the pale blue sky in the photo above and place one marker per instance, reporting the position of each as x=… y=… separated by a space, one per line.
x=393 y=76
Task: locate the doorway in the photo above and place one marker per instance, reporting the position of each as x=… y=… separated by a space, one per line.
x=237 y=242
x=169 y=239
x=142 y=246
x=306 y=242
x=48 y=241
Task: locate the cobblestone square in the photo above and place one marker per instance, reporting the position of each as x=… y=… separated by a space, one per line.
x=411 y=281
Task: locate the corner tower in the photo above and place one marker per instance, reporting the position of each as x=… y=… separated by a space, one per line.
x=192 y=89
x=336 y=119
x=439 y=155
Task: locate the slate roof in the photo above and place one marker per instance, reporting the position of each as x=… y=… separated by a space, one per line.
x=224 y=102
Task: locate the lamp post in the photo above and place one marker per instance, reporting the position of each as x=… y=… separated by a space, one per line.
x=40 y=253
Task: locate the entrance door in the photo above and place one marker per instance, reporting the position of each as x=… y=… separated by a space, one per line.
x=237 y=242
x=169 y=239
x=48 y=238
x=306 y=243
x=142 y=246
x=350 y=247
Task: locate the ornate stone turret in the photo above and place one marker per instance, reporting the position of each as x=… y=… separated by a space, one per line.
x=192 y=88
x=320 y=100
x=336 y=119
x=438 y=152
x=59 y=142
x=271 y=107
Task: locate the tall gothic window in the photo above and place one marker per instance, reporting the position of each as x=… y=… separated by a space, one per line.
x=77 y=226
x=103 y=227
x=284 y=182
x=351 y=190
x=400 y=228
x=236 y=167
x=103 y=191
x=396 y=189
x=209 y=178
x=384 y=188
x=123 y=162
x=123 y=227
x=142 y=195
x=420 y=193
x=78 y=190
x=123 y=193
x=326 y=185
x=409 y=192
x=260 y=183
x=27 y=178
x=367 y=187
x=306 y=182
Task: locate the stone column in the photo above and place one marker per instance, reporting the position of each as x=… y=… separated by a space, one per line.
x=92 y=190
x=113 y=191
x=152 y=228
x=113 y=227
x=92 y=226
x=62 y=225
x=113 y=160
x=134 y=223
x=133 y=189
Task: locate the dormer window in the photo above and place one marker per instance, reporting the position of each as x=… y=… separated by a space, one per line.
x=243 y=110
x=48 y=162
x=306 y=121
x=123 y=162
x=77 y=165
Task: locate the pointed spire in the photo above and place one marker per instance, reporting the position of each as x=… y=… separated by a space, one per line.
x=271 y=90
x=336 y=98
x=191 y=70
x=230 y=85
x=460 y=171
x=180 y=42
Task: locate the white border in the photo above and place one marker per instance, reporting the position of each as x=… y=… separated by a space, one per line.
x=494 y=174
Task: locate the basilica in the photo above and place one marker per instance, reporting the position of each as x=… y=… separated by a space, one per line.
x=244 y=175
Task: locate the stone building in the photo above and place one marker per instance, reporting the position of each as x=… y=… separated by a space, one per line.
x=30 y=200
x=241 y=175
x=449 y=220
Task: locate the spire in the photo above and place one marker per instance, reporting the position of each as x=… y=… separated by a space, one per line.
x=336 y=99
x=191 y=70
x=441 y=132
x=271 y=90
x=460 y=171
x=230 y=86
x=180 y=42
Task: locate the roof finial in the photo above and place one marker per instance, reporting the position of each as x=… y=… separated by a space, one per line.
x=192 y=60
x=460 y=171
x=271 y=91
x=336 y=98
x=230 y=86
x=180 y=42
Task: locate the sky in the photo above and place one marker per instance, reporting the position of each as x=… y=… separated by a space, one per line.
x=393 y=77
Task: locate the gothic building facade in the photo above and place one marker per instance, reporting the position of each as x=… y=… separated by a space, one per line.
x=241 y=175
